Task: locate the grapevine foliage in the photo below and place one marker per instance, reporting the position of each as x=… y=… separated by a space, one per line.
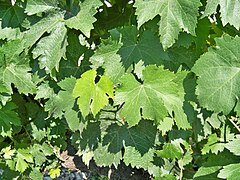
x=153 y=84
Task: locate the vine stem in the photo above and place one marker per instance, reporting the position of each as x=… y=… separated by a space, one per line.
x=181 y=169
x=235 y=125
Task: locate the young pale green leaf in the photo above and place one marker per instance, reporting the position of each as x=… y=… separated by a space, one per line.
x=55 y=172
x=230 y=172
x=84 y=20
x=92 y=97
x=229 y=11
x=52 y=48
x=175 y=15
x=38 y=6
x=218 y=73
x=153 y=99
x=23 y=158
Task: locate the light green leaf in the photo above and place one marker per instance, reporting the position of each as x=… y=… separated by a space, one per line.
x=92 y=96
x=175 y=15
x=153 y=99
x=38 y=133
x=36 y=174
x=213 y=145
x=138 y=69
x=166 y=125
x=218 y=73
x=171 y=151
x=52 y=48
x=8 y=152
x=38 y=6
x=23 y=158
x=104 y=158
x=39 y=156
x=9 y=33
x=135 y=159
x=230 y=172
x=84 y=20
x=233 y=146
x=55 y=172
x=36 y=31
x=20 y=76
x=107 y=57
x=229 y=11
x=62 y=104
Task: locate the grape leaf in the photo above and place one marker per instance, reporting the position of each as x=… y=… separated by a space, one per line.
x=90 y=136
x=175 y=15
x=11 y=16
x=92 y=96
x=8 y=118
x=46 y=24
x=62 y=104
x=213 y=164
x=166 y=125
x=213 y=145
x=38 y=6
x=146 y=47
x=36 y=174
x=229 y=11
x=23 y=156
x=218 y=72
x=230 y=172
x=77 y=58
x=20 y=76
x=233 y=146
x=104 y=158
x=171 y=151
x=52 y=48
x=84 y=20
x=37 y=133
x=9 y=33
x=141 y=137
x=158 y=91
x=107 y=57
x=135 y=159
x=39 y=156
